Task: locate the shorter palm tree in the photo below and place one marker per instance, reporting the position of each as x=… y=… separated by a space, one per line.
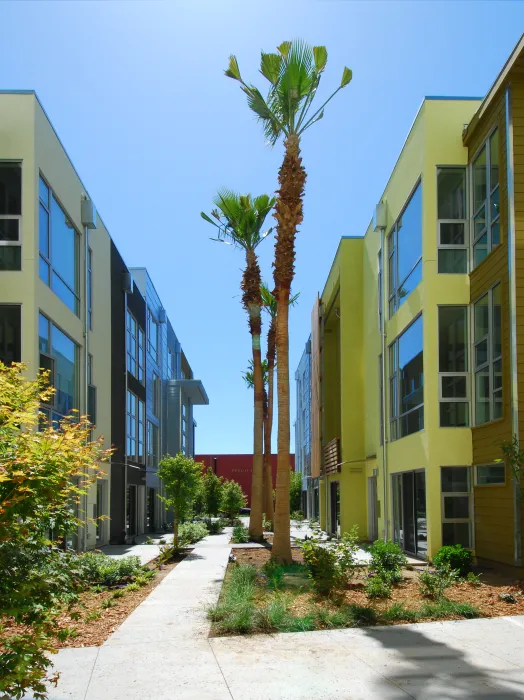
x=239 y=220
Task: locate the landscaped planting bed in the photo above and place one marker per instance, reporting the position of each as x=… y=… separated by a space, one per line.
x=251 y=601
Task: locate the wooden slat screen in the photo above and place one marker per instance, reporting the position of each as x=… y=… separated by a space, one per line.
x=331 y=457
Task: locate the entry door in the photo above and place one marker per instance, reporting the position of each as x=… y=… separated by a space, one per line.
x=372 y=509
x=151 y=510
x=99 y=510
x=335 y=507
x=409 y=512
x=131 y=510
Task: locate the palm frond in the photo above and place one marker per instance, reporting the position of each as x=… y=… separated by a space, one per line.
x=270 y=65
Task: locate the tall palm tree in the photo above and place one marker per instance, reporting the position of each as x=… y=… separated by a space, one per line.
x=239 y=220
x=294 y=75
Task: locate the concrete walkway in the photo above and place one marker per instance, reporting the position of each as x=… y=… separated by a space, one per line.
x=162 y=651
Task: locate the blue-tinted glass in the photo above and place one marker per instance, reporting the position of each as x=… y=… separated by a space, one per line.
x=43 y=334
x=411 y=367
x=64 y=353
x=410 y=283
x=43 y=190
x=43 y=231
x=410 y=235
x=63 y=238
x=62 y=291
x=44 y=271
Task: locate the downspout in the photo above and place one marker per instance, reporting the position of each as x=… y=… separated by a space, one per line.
x=383 y=392
x=513 y=319
x=85 y=368
x=322 y=431
x=125 y=411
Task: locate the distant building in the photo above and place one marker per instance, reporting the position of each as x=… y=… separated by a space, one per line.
x=310 y=487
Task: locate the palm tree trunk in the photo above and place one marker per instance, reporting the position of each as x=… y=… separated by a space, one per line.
x=268 y=476
x=268 y=491
x=256 y=530
x=288 y=213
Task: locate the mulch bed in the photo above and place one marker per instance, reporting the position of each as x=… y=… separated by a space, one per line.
x=484 y=597
x=91 y=633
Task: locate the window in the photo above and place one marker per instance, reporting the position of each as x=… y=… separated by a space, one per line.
x=405 y=252
x=452 y=220
x=184 y=428
x=135 y=428
x=10 y=333
x=59 y=244
x=91 y=391
x=90 y=288
x=152 y=444
x=135 y=347
x=406 y=382
x=486 y=199
x=456 y=506
x=59 y=354
x=490 y=475
x=152 y=336
x=453 y=366
x=10 y=216
x=157 y=394
x=172 y=364
x=487 y=356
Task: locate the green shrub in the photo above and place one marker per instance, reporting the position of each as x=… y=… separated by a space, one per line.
x=132 y=587
x=297 y=515
x=361 y=615
x=235 y=610
x=93 y=615
x=432 y=584
x=474 y=579
x=215 y=527
x=191 y=532
x=233 y=499
x=387 y=560
x=240 y=534
x=454 y=557
x=376 y=587
x=275 y=573
x=98 y=568
x=295 y=491
x=331 y=565
x=399 y=613
x=119 y=593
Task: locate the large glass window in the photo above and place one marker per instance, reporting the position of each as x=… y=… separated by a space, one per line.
x=490 y=475
x=157 y=394
x=10 y=216
x=10 y=333
x=59 y=246
x=134 y=347
x=487 y=356
x=405 y=252
x=152 y=444
x=456 y=505
x=453 y=366
x=59 y=354
x=452 y=220
x=152 y=336
x=486 y=199
x=407 y=382
x=135 y=428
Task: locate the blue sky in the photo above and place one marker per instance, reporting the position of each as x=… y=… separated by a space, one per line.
x=137 y=94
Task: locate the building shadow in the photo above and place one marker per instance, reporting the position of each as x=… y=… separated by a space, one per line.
x=424 y=667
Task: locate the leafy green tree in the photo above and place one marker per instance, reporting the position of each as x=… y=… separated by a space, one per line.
x=240 y=220
x=295 y=491
x=212 y=489
x=182 y=480
x=233 y=499
x=43 y=475
x=294 y=75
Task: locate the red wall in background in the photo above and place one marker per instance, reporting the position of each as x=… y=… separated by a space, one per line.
x=239 y=468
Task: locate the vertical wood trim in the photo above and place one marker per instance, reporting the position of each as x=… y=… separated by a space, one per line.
x=315 y=391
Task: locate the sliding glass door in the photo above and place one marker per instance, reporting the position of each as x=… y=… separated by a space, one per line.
x=409 y=512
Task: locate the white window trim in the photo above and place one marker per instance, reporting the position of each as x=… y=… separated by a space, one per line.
x=467 y=374
x=487 y=202
x=471 y=504
x=490 y=362
x=490 y=464
x=446 y=246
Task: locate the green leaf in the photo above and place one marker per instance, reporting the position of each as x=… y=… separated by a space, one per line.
x=284 y=48
x=270 y=65
x=206 y=218
x=347 y=74
x=233 y=71
x=320 y=54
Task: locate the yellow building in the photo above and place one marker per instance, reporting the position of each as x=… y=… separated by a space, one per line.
x=406 y=448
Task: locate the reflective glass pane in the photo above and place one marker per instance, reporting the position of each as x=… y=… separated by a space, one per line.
x=9 y=230
x=495 y=234
x=456 y=507
x=494 y=158
x=481 y=353
x=495 y=204
x=479 y=180
x=455 y=479
x=63 y=291
x=63 y=245
x=451 y=183
x=480 y=222
x=453 y=339
x=410 y=283
x=497 y=321
x=392 y=274
x=456 y=533
x=10 y=333
x=454 y=414
x=65 y=356
x=10 y=189
x=491 y=474
x=452 y=233
x=480 y=250
x=43 y=271
x=481 y=317
x=452 y=260
x=410 y=235
x=411 y=367
x=43 y=231
x=393 y=401
x=482 y=412
x=43 y=334
x=412 y=422
x=454 y=387
x=43 y=191
x=11 y=257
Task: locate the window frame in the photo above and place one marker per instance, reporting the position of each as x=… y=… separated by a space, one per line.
x=465 y=221
x=135 y=418
x=135 y=357
x=487 y=203
x=501 y=465
x=466 y=374
x=470 y=521
x=157 y=395
x=14 y=217
x=492 y=359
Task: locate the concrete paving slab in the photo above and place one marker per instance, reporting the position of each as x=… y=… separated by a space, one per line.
x=75 y=667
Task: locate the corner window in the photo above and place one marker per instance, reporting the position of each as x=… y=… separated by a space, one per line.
x=152 y=444
x=490 y=475
x=135 y=428
x=486 y=199
x=452 y=220
x=134 y=347
x=10 y=216
x=59 y=247
x=453 y=366
x=487 y=356
x=10 y=333
x=406 y=382
x=456 y=506
x=152 y=336
x=405 y=252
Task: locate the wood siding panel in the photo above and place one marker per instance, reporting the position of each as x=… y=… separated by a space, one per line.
x=315 y=392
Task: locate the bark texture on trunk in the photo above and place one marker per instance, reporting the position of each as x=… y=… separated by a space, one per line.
x=268 y=427
x=175 y=534
x=288 y=213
